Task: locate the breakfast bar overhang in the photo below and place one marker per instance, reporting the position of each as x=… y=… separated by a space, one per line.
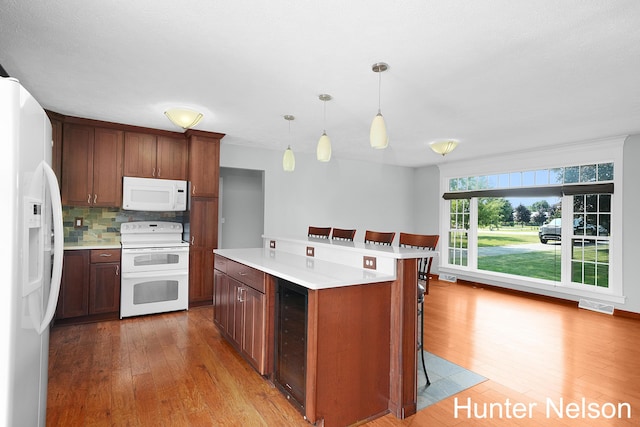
x=359 y=359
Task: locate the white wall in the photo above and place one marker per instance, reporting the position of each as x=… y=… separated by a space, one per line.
x=340 y=193
x=630 y=220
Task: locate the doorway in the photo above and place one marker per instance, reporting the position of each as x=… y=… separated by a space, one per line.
x=241 y=208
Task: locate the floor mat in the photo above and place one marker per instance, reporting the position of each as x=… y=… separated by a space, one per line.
x=446 y=378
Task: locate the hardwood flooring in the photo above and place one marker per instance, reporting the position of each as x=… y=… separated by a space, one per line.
x=174 y=369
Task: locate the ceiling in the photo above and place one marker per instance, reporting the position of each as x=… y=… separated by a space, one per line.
x=500 y=76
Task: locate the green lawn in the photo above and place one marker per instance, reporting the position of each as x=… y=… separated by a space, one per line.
x=541 y=265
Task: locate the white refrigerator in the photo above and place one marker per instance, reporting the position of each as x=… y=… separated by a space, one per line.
x=31 y=255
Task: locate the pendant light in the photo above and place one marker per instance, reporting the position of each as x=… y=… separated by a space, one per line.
x=289 y=160
x=378 y=134
x=323 y=152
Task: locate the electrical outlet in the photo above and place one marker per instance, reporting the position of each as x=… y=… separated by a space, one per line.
x=78 y=222
x=310 y=251
x=369 y=262
x=272 y=244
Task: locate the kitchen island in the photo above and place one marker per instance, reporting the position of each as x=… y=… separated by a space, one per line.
x=333 y=325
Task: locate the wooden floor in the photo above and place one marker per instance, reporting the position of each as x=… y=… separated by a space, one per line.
x=175 y=369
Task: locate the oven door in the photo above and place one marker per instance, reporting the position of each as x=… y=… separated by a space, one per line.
x=153 y=292
x=138 y=260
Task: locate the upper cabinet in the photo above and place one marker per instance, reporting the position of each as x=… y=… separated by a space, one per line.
x=155 y=156
x=92 y=171
x=204 y=161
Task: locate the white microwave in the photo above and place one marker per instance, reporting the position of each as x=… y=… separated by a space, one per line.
x=151 y=194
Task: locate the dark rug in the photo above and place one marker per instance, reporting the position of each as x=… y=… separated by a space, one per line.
x=446 y=378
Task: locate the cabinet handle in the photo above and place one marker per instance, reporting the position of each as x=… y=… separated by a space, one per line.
x=117 y=270
x=242 y=273
x=240 y=297
x=88 y=198
x=193 y=239
x=105 y=254
x=153 y=173
x=193 y=189
x=159 y=172
x=95 y=198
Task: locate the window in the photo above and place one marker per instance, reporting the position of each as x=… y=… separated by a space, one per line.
x=545 y=227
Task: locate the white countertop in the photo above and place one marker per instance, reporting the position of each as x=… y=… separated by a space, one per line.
x=385 y=251
x=92 y=245
x=305 y=271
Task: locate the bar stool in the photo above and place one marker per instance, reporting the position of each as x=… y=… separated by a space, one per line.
x=342 y=234
x=319 y=232
x=379 y=238
x=427 y=242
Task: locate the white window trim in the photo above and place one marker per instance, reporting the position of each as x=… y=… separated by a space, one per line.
x=580 y=153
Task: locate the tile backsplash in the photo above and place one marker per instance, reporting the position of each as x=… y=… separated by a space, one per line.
x=102 y=225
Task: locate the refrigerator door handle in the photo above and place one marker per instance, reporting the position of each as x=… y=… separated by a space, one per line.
x=58 y=246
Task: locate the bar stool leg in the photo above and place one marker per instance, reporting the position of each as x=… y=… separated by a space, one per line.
x=421 y=347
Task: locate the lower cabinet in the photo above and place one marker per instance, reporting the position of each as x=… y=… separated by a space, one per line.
x=240 y=310
x=90 y=284
x=200 y=276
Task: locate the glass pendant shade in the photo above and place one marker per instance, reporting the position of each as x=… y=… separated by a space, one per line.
x=443 y=147
x=323 y=152
x=183 y=117
x=378 y=135
x=288 y=160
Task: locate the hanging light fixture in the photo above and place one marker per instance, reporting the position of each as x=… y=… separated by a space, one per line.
x=378 y=134
x=323 y=152
x=289 y=160
x=444 y=147
x=183 y=117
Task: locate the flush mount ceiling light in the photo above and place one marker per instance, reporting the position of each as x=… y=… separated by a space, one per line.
x=378 y=134
x=323 y=151
x=289 y=160
x=444 y=147
x=183 y=117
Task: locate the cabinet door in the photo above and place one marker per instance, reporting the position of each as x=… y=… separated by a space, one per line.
x=204 y=166
x=253 y=327
x=204 y=222
x=139 y=155
x=200 y=276
x=171 y=158
x=220 y=295
x=107 y=168
x=234 y=312
x=104 y=288
x=73 y=300
x=77 y=169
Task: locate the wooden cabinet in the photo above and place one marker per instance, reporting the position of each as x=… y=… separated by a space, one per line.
x=104 y=283
x=204 y=165
x=73 y=300
x=204 y=221
x=240 y=310
x=92 y=172
x=200 y=276
x=155 y=156
x=90 y=284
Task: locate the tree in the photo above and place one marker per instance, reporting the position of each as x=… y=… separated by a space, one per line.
x=522 y=214
x=541 y=211
x=494 y=211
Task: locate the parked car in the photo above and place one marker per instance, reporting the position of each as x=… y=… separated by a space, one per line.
x=553 y=230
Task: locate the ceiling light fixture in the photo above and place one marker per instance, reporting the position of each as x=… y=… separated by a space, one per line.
x=323 y=152
x=289 y=160
x=183 y=117
x=378 y=134
x=444 y=147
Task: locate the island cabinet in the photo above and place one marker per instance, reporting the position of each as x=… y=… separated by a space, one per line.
x=155 y=156
x=340 y=339
x=242 y=298
x=92 y=172
x=90 y=287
